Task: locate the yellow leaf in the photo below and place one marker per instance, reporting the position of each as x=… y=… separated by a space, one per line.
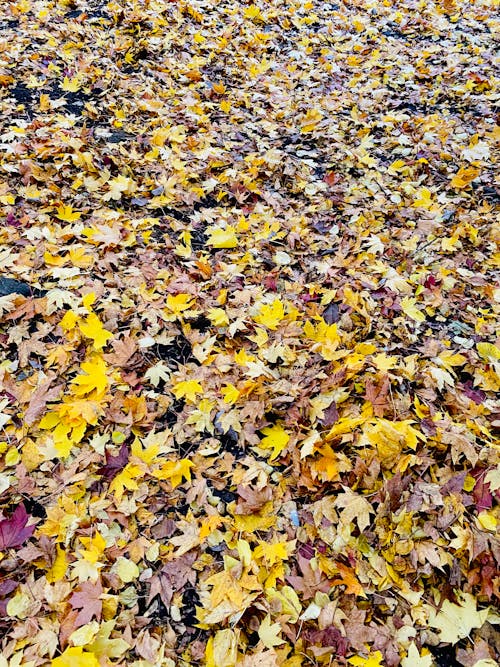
x=126 y=569
x=222 y=238
x=268 y=633
x=67 y=214
x=276 y=438
x=326 y=338
x=69 y=321
x=456 y=621
x=414 y=659
x=84 y=635
x=355 y=507
x=117 y=186
x=93 y=547
x=271 y=553
x=384 y=362
x=394 y=167
x=19 y=605
x=88 y=300
x=79 y=258
x=44 y=102
x=250 y=523
x=95 y=378
x=53 y=260
x=147 y=454
x=424 y=199
x=488 y=352
x=230 y=394
x=59 y=567
x=253 y=12
x=464 y=176
x=488 y=521
x=175 y=471
x=188 y=389
x=218 y=317
x=410 y=309
x=310 y=119
x=288 y=601
x=209 y=524
x=450 y=359
x=270 y=315
x=373 y=660
x=179 y=302
x=70 y=85
x=103 y=646
x=126 y=479
x=75 y=656
x=222 y=649
x=92 y=328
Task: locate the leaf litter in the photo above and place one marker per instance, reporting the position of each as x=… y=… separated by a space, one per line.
x=249 y=322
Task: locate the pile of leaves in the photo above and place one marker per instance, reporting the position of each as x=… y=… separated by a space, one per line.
x=249 y=332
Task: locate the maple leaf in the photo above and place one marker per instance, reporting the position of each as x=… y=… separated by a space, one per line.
x=118 y=186
x=456 y=621
x=230 y=393
x=92 y=328
x=88 y=600
x=40 y=397
x=355 y=507
x=66 y=213
x=414 y=659
x=59 y=566
x=187 y=389
x=464 y=176
x=488 y=352
x=269 y=633
x=124 y=349
x=178 y=303
x=270 y=315
x=275 y=438
x=126 y=479
x=94 y=379
x=70 y=85
x=423 y=198
x=272 y=553
x=14 y=531
x=158 y=372
x=349 y=580
x=326 y=337
x=377 y=395
x=175 y=471
x=103 y=646
x=114 y=464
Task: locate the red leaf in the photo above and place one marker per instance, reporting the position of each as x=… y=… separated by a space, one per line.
x=14 y=531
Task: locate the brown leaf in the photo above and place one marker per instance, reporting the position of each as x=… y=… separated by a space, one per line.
x=376 y=394
x=88 y=600
x=40 y=397
x=252 y=500
x=124 y=350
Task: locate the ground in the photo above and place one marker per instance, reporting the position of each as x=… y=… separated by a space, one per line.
x=249 y=361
